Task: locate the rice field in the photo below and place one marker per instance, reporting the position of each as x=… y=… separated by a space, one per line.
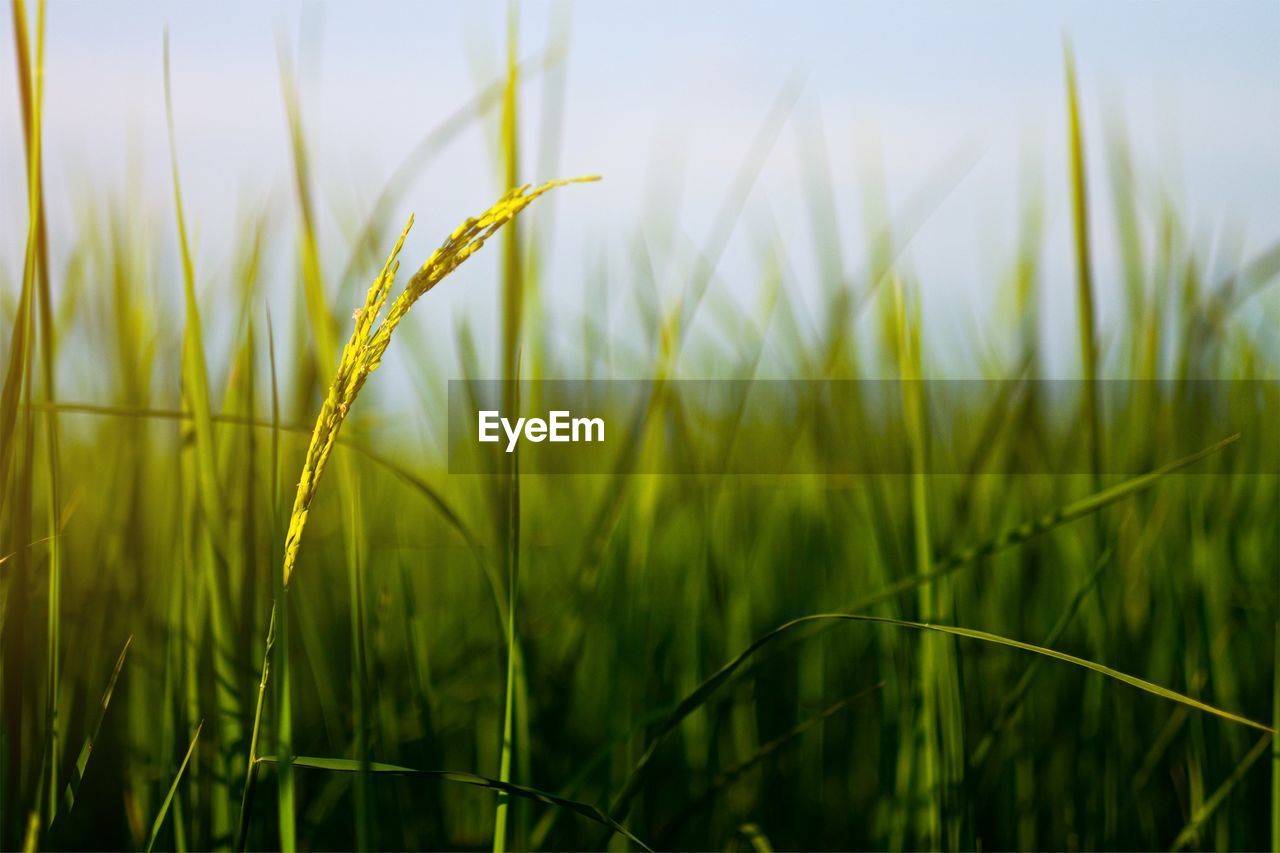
x=239 y=611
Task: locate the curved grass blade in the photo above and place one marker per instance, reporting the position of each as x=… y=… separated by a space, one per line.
x=348 y=765
x=695 y=699
x=955 y=561
x=168 y=798
x=1101 y=669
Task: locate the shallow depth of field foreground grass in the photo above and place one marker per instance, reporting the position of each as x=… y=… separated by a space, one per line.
x=237 y=613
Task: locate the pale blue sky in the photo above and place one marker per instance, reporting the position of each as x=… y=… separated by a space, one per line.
x=653 y=88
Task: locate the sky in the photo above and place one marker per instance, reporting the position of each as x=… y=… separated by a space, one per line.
x=664 y=100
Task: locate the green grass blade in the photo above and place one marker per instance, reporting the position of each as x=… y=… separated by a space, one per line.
x=509 y=489
x=940 y=722
x=11 y=393
x=16 y=597
x=1101 y=669
x=359 y=678
x=195 y=370
x=323 y=324
x=1191 y=831
x=277 y=651
x=36 y=276
x=173 y=788
x=1082 y=248
x=347 y=765
x=86 y=750
x=286 y=805
x=211 y=541
x=1275 y=746
x=20 y=341
x=251 y=773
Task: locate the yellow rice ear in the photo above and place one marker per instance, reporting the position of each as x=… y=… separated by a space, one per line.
x=364 y=350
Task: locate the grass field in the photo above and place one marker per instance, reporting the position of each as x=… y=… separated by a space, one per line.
x=238 y=611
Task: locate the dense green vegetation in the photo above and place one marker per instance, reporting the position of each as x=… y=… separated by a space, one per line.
x=990 y=659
